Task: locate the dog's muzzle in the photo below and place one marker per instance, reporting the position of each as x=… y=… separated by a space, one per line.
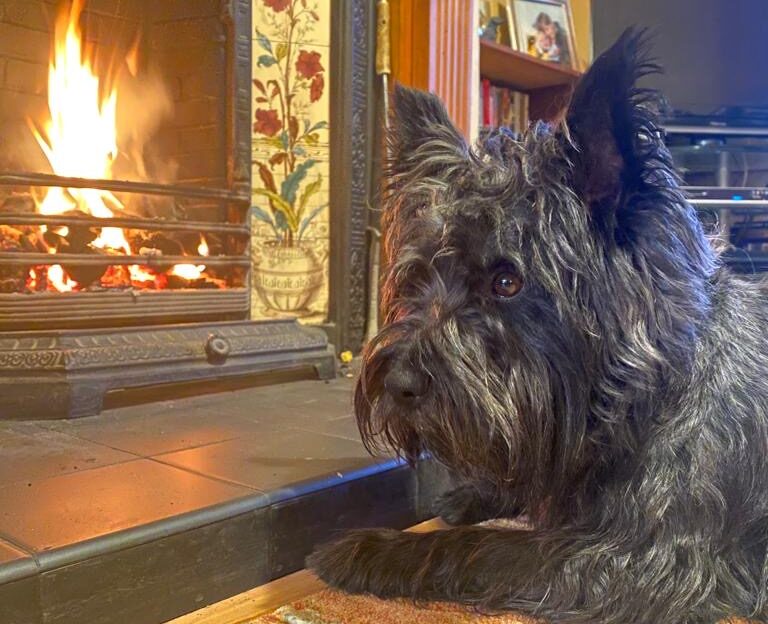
x=406 y=385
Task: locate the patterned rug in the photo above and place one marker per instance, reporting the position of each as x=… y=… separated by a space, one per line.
x=332 y=607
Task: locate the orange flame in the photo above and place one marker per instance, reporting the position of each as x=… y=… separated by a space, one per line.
x=202 y=248
x=80 y=140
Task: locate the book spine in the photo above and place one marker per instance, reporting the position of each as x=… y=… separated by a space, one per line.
x=500 y=106
x=486 y=102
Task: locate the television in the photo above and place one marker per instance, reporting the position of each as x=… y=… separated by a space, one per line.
x=715 y=52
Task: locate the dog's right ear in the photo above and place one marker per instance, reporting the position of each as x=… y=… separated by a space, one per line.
x=422 y=138
x=608 y=117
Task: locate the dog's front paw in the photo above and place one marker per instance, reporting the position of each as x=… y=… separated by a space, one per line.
x=459 y=506
x=360 y=562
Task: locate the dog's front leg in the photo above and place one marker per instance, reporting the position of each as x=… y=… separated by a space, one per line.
x=466 y=564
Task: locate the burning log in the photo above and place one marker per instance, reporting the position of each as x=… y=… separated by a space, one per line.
x=160 y=242
x=87 y=275
x=80 y=237
x=10 y=238
x=12 y=278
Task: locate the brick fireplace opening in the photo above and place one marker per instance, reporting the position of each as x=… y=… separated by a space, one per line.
x=124 y=194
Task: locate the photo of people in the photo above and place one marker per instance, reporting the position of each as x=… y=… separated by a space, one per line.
x=543 y=30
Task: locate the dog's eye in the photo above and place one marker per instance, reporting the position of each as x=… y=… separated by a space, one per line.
x=506 y=284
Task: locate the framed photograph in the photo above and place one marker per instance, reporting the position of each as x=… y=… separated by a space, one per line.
x=543 y=29
x=495 y=22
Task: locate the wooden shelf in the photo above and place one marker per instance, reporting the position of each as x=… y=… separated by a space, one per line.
x=500 y=63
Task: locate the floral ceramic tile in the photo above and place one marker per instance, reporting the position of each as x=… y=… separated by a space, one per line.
x=290 y=215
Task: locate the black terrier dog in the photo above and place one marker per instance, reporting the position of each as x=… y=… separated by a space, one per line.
x=559 y=333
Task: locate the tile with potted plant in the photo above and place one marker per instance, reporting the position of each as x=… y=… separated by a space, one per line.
x=290 y=212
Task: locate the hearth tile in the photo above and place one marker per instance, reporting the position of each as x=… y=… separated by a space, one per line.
x=72 y=508
x=145 y=430
x=9 y=553
x=191 y=422
x=31 y=453
x=344 y=427
x=279 y=459
x=293 y=403
x=384 y=499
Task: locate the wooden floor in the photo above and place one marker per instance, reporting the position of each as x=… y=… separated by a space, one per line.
x=269 y=597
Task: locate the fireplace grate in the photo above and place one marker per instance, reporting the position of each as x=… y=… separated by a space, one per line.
x=109 y=307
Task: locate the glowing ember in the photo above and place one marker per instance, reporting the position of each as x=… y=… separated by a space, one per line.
x=59 y=279
x=190 y=271
x=33 y=281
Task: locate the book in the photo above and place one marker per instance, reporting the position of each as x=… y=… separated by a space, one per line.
x=502 y=106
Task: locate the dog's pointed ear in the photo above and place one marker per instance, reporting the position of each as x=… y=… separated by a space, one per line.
x=422 y=138
x=607 y=114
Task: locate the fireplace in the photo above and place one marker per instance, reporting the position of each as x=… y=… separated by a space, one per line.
x=125 y=187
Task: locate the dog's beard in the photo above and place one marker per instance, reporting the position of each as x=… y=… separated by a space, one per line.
x=470 y=417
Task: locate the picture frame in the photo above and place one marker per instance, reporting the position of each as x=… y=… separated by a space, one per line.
x=544 y=30
x=495 y=22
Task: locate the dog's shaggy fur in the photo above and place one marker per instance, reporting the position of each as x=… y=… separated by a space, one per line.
x=559 y=332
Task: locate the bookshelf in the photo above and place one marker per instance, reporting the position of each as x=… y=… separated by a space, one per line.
x=548 y=85
x=502 y=64
x=436 y=47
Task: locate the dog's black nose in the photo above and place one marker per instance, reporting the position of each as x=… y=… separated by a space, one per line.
x=405 y=385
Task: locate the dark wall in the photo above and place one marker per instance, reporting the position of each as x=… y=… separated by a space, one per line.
x=715 y=52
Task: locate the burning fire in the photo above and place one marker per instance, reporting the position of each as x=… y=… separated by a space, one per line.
x=80 y=140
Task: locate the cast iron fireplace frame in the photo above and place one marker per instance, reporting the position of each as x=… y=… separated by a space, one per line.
x=66 y=373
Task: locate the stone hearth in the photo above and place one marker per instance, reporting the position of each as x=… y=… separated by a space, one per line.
x=150 y=511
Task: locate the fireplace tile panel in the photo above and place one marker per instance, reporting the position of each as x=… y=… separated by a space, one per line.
x=275 y=277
